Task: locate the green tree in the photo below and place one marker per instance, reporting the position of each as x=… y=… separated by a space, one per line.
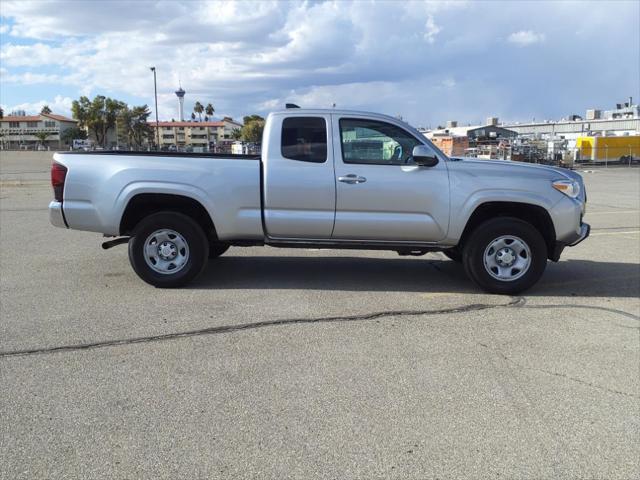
x=206 y=118
x=209 y=110
x=135 y=126
x=250 y=118
x=1 y=112
x=252 y=129
x=71 y=134
x=42 y=136
x=198 y=108
x=236 y=134
x=193 y=116
x=45 y=110
x=98 y=116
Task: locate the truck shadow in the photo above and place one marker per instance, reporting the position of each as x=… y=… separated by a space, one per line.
x=427 y=274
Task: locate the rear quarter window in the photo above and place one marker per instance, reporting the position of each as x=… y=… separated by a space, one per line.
x=304 y=139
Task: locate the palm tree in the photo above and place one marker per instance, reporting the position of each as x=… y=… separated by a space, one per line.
x=198 y=108
x=210 y=110
x=45 y=110
x=193 y=116
x=236 y=134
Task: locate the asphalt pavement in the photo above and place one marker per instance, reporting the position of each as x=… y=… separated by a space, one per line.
x=290 y=363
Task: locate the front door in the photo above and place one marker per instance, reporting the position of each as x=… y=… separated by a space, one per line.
x=381 y=194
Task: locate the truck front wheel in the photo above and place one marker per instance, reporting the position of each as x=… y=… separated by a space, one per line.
x=168 y=249
x=505 y=255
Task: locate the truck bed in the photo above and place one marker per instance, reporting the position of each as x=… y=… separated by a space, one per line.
x=162 y=154
x=100 y=184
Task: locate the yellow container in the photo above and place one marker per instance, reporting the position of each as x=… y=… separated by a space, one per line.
x=601 y=149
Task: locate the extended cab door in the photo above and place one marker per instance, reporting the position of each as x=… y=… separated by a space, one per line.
x=381 y=193
x=299 y=182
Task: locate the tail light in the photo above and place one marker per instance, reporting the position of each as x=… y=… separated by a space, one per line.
x=58 y=176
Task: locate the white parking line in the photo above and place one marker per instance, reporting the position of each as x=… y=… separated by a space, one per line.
x=609 y=213
x=614 y=233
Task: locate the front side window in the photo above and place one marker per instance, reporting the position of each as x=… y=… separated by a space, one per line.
x=376 y=143
x=14 y=124
x=304 y=139
x=32 y=124
x=49 y=124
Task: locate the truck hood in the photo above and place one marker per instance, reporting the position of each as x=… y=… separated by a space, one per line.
x=521 y=167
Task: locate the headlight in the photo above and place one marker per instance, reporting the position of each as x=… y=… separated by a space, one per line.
x=570 y=188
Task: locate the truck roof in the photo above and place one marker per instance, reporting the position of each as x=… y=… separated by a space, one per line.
x=316 y=111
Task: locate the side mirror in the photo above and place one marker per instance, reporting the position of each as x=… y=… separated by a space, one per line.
x=424 y=156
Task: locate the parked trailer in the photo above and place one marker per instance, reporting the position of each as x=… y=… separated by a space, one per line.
x=623 y=149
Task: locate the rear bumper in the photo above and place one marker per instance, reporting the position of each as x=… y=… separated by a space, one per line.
x=56 y=216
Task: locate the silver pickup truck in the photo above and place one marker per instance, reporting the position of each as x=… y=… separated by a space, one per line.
x=325 y=179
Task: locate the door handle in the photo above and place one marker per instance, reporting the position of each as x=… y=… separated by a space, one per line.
x=351 y=179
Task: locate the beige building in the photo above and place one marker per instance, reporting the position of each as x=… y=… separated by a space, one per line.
x=18 y=132
x=195 y=134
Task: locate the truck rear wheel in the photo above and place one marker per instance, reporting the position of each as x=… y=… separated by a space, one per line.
x=505 y=255
x=168 y=249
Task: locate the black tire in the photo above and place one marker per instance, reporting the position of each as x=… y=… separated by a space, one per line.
x=217 y=249
x=477 y=243
x=453 y=254
x=195 y=255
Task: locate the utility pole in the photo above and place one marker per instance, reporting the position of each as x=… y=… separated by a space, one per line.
x=155 y=92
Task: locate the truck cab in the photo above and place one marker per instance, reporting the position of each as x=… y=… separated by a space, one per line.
x=350 y=177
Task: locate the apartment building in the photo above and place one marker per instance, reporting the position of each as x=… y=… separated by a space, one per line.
x=195 y=134
x=19 y=131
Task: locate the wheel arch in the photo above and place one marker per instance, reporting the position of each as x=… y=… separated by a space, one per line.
x=143 y=204
x=535 y=215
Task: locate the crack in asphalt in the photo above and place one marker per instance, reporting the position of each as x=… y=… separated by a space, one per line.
x=515 y=302
x=555 y=374
x=518 y=302
x=590 y=307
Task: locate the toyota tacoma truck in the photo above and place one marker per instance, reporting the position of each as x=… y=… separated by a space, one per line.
x=325 y=179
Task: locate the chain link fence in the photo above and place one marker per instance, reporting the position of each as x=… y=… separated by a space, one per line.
x=607 y=156
x=537 y=152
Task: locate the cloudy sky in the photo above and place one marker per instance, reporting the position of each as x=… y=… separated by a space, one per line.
x=426 y=61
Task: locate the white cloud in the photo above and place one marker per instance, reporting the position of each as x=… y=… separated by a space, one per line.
x=431 y=30
x=29 y=78
x=524 y=38
x=41 y=54
x=59 y=105
x=376 y=55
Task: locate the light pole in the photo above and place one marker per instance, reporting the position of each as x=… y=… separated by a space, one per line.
x=155 y=92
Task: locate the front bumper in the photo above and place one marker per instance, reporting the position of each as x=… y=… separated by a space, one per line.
x=585 y=230
x=56 y=215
